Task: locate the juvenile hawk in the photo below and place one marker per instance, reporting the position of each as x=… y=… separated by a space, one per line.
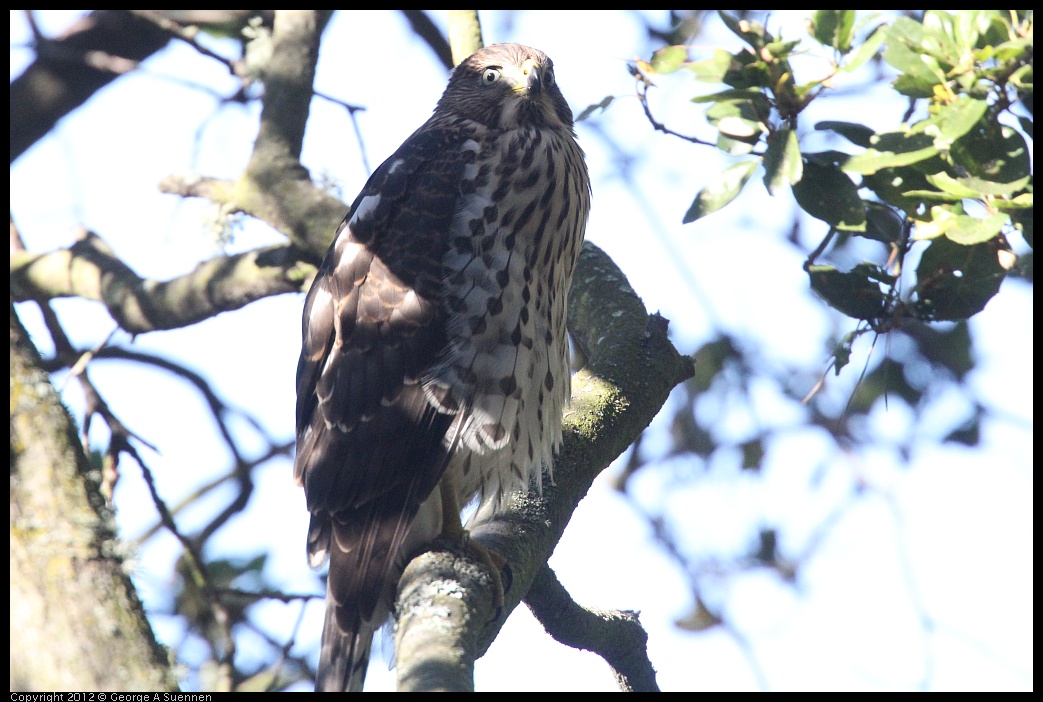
x=434 y=336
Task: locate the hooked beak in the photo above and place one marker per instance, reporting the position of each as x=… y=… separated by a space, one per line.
x=530 y=82
x=533 y=82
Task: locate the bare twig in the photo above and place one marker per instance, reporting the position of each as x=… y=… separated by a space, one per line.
x=642 y=84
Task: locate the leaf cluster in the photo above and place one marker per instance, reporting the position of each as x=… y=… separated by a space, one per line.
x=952 y=180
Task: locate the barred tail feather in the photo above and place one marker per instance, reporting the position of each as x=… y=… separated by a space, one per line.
x=343 y=656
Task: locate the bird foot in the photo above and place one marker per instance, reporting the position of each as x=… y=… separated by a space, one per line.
x=494 y=562
x=453 y=531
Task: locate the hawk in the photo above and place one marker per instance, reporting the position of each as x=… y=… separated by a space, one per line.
x=435 y=351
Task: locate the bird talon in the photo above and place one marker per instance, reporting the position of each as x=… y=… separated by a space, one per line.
x=494 y=563
x=506 y=576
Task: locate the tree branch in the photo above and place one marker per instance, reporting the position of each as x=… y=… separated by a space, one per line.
x=76 y=623
x=643 y=83
x=89 y=269
x=70 y=69
x=617 y=636
x=444 y=599
x=275 y=186
x=424 y=28
x=465 y=34
x=288 y=78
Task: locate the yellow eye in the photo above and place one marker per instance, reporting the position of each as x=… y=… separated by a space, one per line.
x=490 y=76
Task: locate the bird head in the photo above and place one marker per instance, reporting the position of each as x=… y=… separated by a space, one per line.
x=506 y=86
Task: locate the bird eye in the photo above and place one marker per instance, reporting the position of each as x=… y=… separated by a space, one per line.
x=548 y=77
x=490 y=76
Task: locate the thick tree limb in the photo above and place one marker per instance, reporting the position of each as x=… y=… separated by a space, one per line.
x=68 y=70
x=89 y=269
x=76 y=623
x=465 y=34
x=275 y=186
x=444 y=601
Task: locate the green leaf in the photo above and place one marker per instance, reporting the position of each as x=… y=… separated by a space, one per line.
x=925 y=196
x=734 y=147
x=952 y=120
x=711 y=70
x=747 y=70
x=590 y=109
x=883 y=223
x=833 y=28
x=914 y=87
x=669 y=59
x=739 y=128
x=951 y=222
x=738 y=119
x=898 y=186
x=906 y=32
x=972 y=230
x=1017 y=204
x=976 y=188
x=751 y=32
x=866 y=50
x=857 y=134
x=905 y=51
x=957 y=281
x=939 y=38
x=993 y=152
x=842 y=352
x=715 y=196
x=856 y=293
x=886 y=380
x=892 y=150
x=948 y=347
x=969 y=26
x=998 y=28
x=1022 y=78
x=946 y=183
x=782 y=163
x=755 y=96
x=826 y=193
x=779 y=50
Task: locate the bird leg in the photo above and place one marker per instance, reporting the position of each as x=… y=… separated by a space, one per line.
x=453 y=530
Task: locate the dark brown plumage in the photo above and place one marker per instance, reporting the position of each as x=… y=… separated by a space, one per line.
x=434 y=335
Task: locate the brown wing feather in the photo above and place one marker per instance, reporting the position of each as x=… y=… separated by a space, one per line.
x=369 y=442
